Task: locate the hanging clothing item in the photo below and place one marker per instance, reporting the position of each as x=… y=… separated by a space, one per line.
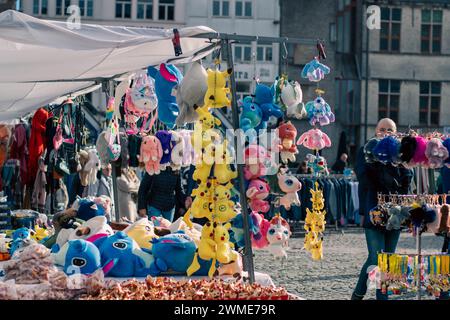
x=37 y=143
x=127 y=190
x=124 y=154
x=5 y=135
x=61 y=198
x=134 y=147
x=19 y=149
x=39 y=191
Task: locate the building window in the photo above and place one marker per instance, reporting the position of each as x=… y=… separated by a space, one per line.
x=123 y=9
x=243 y=9
x=40 y=7
x=86 y=8
x=390 y=29
x=431 y=33
x=243 y=53
x=242 y=89
x=430 y=103
x=221 y=8
x=264 y=53
x=388 y=99
x=145 y=9
x=61 y=7
x=166 y=10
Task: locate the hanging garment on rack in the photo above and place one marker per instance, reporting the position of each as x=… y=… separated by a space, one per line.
x=5 y=135
x=37 y=143
x=19 y=149
x=134 y=147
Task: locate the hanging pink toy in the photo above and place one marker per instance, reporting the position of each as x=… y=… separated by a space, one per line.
x=314 y=139
x=257 y=191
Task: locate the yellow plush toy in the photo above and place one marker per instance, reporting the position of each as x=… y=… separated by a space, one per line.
x=206 y=250
x=315 y=224
x=206 y=119
x=200 y=207
x=234 y=268
x=39 y=233
x=222 y=207
x=142 y=231
x=222 y=170
x=216 y=95
x=224 y=252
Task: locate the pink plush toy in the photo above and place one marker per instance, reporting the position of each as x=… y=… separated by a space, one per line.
x=436 y=153
x=259 y=241
x=151 y=154
x=278 y=236
x=290 y=185
x=419 y=158
x=314 y=139
x=257 y=191
x=255 y=159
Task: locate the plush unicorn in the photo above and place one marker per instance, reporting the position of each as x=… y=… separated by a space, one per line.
x=291 y=185
x=278 y=236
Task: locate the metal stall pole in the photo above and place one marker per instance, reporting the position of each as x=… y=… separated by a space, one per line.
x=248 y=252
x=419 y=246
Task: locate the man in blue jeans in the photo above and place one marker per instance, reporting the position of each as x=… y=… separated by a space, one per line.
x=159 y=194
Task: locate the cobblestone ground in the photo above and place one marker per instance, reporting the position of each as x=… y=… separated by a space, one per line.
x=335 y=277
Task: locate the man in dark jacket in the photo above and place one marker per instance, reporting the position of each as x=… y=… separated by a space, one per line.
x=377 y=178
x=159 y=194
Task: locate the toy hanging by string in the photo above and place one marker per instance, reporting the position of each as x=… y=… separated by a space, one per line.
x=315 y=224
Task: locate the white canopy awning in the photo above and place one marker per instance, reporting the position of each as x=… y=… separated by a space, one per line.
x=43 y=60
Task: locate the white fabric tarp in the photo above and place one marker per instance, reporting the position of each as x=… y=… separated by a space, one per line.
x=42 y=60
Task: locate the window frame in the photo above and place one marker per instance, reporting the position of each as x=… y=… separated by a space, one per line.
x=123 y=4
x=64 y=5
x=431 y=36
x=145 y=4
x=264 y=48
x=221 y=6
x=166 y=7
x=390 y=22
x=242 y=47
x=40 y=7
x=84 y=10
x=430 y=95
x=388 y=109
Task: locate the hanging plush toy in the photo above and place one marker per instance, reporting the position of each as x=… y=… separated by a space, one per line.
x=237 y=226
x=419 y=158
x=216 y=95
x=387 y=150
x=278 y=236
x=255 y=159
x=110 y=108
x=176 y=155
x=290 y=185
x=200 y=207
x=290 y=95
x=369 y=147
x=407 y=149
x=222 y=207
x=224 y=252
x=166 y=78
x=315 y=71
x=206 y=119
x=319 y=111
x=259 y=240
x=446 y=144
x=258 y=190
x=206 y=250
x=264 y=98
x=314 y=139
x=315 y=224
x=165 y=138
x=222 y=170
x=191 y=92
x=436 y=153
x=287 y=134
x=318 y=164
x=251 y=116
x=188 y=153
x=151 y=154
x=204 y=165
x=143 y=232
x=141 y=99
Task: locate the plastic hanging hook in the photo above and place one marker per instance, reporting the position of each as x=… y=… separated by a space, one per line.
x=176 y=43
x=321 y=49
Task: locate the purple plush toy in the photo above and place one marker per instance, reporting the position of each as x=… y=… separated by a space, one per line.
x=165 y=137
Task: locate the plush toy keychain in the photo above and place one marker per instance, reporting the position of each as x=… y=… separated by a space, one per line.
x=318 y=164
x=319 y=111
x=436 y=153
x=315 y=71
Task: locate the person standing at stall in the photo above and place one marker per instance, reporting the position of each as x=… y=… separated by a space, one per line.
x=374 y=178
x=159 y=194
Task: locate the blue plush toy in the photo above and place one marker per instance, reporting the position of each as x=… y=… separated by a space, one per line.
x=78 y=256
x=122 y=257
x=166 y=78
x=319 y=111
x=173 y=252
x=89 y=209
x=387 y=149
x=18 y=238
x=264 y=98
x=315 y=71
x=251 y=116
x=237 y=227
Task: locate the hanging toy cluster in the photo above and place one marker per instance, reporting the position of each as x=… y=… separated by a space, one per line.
x=289 y=95
x=398 y=274
x=212 y=197
x=315 y=224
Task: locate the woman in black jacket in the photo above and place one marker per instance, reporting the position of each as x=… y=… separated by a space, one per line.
x=377 y=178
x=159 y=194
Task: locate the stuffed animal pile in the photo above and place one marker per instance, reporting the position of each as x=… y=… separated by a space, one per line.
x=315 y=224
